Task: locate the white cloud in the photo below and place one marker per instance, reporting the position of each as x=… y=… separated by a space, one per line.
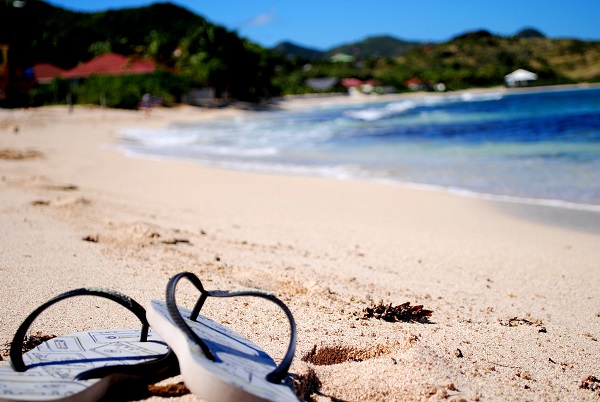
x=261 y=19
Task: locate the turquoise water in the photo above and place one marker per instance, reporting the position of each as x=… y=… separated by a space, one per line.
x=541 y=146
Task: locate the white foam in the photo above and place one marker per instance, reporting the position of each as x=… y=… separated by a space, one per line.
x=377 y=113
x=396 y=108
x=498 y=197
x=158 y=138
x=481 y=97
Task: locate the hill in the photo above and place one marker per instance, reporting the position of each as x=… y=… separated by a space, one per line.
x=40 y=32
x=375 y=47
x=530 y=33
x=369 y=48
x=293 y=51
x=190 y=52
x=481 y=58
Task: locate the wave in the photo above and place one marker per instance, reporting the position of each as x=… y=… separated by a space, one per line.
x=481 y=97
x=401 y=107
x=372 y=114
x=157 y=138
x=450 y=142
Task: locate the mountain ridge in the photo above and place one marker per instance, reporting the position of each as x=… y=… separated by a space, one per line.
x=383 y=46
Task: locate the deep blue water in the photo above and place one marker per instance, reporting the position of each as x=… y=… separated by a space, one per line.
x=541 y=146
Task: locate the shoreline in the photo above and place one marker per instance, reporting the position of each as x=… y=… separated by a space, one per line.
x=293 y=102
x=329 y=248
x=570 y=214
x=561 y=213
x=575 y=219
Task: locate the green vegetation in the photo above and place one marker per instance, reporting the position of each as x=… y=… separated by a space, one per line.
x=208 y=55
x=192 y=52
x=474 y=59
x=375 y=47
x=124 y=91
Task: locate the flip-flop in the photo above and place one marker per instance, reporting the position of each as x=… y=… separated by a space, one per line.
x=218 y=364
x=84 y=365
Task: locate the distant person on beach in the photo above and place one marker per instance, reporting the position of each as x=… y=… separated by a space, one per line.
x=148 y=102
x=145 y=104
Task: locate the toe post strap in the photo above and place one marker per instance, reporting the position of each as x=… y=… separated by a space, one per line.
x=281 y=371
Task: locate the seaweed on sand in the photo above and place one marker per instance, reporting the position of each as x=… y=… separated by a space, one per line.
x=403 y=312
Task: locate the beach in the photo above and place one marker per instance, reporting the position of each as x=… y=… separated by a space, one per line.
x=515 y=302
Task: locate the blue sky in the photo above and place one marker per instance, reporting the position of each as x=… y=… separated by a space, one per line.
x=322 y=24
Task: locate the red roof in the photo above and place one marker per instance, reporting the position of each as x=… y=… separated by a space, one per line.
x=45 y=72
x=373 y=81
x=111 y=64
x=355 y=82
x=352 y=82
x=414 y=81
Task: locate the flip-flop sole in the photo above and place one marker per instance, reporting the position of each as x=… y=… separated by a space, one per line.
x=239 y=374
x=53 y=365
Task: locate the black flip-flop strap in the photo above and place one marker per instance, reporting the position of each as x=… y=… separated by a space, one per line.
x=280 y=372
x=16 y=357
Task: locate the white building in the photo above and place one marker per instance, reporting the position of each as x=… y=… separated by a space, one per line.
x=520 y=78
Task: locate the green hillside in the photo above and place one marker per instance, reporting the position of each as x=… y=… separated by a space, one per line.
x=210 y=55
x=375 y=47
x=372 y=47
x=482 y=59
x=40 y=32
x=293 y=51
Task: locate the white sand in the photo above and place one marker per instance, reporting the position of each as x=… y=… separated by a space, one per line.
x=328 y=248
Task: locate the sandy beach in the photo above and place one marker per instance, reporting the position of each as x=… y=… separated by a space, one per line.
x=515 y=301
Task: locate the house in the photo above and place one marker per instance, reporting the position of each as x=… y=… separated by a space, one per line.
x=416 y=84
x=355 y=86
x=520 y=78
x=106 y=64
x=44 y=73
x=321 y=84
x=111 y=64
x=352 y=82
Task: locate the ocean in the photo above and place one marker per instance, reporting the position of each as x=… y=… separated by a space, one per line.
x=540 y=147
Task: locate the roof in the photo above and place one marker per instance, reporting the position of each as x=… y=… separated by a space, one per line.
x=321 y=83
x=520 y=75
x=352 y=82
x=46 y=72
x=414 y=81
x=111 y=64
x=355 y=82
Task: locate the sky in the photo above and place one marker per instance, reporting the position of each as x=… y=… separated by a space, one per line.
x=323 y=24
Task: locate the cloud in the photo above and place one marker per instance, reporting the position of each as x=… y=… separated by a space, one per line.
x=261 y=19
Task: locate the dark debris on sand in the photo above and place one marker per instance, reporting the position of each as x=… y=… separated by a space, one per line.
x=592 y=383
x=400 y=313
x=168 y=391
x=30 y=342
x=16 y=155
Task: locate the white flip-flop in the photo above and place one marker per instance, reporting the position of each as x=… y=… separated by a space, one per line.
x=83 y=366
x=218 y=364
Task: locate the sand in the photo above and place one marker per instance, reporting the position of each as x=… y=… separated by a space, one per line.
x=515 y=301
